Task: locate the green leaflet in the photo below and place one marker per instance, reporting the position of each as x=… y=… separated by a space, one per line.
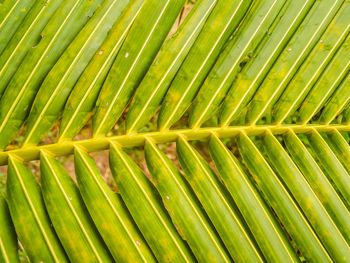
x=331 y=78
x=59 y=82
x=319 y=184
x=184 y=208
x=222 y=21
x=21 y=91
x=297 y=50
x=337 y=102
x=137 y=53
x=317 y=60
x=11 y=16
x=27 y=209
x=68 y=214
x=249 y=79
x=333 y=168
x=280 y=188
x=340 y=147
x=109 y=213
x=82 y=100
x=256 y=213
x=8 y=238
x=238 y=52
x=269 y=185
x=168 y=61
x=210 y=193
x=347 y=114
x=25 y=38
x=312 y=207
x=141 y=199
x=5 y=6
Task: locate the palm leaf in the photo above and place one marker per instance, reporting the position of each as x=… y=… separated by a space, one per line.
x=26 y=37
x=184 y=208
x=21 y=90
x=312 y=207
x=133 y=60
x=227 y=125
x=27 y=208
x=156 y=227
x=82 y=100
x=254 y=210
x=68 y=68
x=62 y=198
x=224 y=18
x=8 y=238
x=115 y=225
x=12 y=14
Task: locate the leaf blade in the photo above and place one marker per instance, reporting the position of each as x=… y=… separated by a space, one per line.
x=8 y=237
x=167 y=62
x=70 y=219
x=133 y=61
x=182 y=207
x=133 y=185
x=20 y=93
x=307 y=199
x=224 y=18
x=84 y=95
x=255 y=211
x=210 y=193
x=27 y=208
x=59 y=82
x=239 y=51
x=109 y=213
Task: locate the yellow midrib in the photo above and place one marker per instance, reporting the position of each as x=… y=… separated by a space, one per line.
x=63 y=148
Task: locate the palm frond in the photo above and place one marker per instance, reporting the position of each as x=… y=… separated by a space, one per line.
x=227 y=125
